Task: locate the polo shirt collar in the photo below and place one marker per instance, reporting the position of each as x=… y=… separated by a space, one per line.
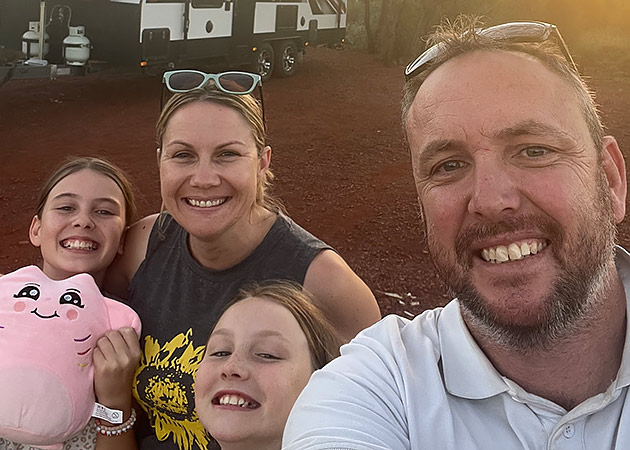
x=469 y=374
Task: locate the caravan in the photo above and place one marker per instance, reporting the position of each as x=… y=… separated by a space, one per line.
x=265 y=36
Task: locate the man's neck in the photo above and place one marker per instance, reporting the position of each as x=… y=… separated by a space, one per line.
x=577 y=367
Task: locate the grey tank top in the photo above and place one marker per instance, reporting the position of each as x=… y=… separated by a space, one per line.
x=179 y=301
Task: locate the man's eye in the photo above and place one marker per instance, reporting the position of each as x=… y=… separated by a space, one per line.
x=64 y=208
x=28 y=292
x=71 y=298
x=449 y=166
x=220 y=354
x=104 y=212
x=535 y=152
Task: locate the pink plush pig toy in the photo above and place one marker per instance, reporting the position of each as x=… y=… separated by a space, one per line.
x=48 y=330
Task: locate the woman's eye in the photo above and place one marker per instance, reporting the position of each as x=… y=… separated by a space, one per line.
x=181 y=155
x=64 y=208
x=104 y=212
x=220 y=354
x=28 y=292
x=71 y=298
x=229 y=154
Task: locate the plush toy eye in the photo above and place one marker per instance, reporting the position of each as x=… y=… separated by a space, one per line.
x=28 y=292
x=71 y=298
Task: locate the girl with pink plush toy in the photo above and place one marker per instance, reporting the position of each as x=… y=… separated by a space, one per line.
x=63 y=344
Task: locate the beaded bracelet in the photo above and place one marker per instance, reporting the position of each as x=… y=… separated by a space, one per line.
x=118 y=429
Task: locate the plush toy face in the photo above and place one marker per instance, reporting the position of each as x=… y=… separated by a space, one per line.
x=48 y=330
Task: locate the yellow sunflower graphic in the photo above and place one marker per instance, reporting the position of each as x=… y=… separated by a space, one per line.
x=164 y=388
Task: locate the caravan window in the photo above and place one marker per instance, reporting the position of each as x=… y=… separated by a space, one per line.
x=322 y=7
x=207 y=3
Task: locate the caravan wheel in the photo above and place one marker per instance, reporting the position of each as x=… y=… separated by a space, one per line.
x=265 y=61
x=286 y=58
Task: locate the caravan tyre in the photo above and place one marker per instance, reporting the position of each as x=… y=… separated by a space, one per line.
x=265 y=62
x=286 y=58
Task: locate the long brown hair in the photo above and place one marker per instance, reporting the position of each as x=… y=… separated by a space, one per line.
x=75 y=164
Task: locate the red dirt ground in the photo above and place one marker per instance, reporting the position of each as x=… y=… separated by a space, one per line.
x=342 y=169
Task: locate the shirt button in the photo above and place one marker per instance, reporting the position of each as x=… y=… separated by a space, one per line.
x=569 y=431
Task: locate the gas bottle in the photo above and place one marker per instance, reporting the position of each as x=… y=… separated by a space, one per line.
x=30 y=41
x=76 y=47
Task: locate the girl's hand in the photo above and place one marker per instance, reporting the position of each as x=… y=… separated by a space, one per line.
x=116 y=358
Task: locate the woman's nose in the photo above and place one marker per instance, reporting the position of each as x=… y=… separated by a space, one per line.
x=205 y=176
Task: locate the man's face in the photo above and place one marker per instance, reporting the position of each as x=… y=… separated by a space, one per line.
x=519 y=208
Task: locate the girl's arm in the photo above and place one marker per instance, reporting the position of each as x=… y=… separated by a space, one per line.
x=116 y=359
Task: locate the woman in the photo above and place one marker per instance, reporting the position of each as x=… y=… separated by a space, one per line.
x=259 y=357
x=219 y=231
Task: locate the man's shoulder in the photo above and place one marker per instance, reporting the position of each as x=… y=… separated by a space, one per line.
x=394 y=342
x=397 y=329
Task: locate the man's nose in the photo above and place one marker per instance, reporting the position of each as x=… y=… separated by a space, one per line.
x=495 y=190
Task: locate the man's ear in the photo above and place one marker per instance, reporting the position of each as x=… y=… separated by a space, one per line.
x=265 y=160
x=158 y=153
x=33 y=231
x=615 y=170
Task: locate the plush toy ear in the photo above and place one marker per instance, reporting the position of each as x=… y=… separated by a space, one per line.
x=121 y=315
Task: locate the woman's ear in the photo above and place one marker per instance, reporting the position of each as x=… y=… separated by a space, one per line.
x=33 y=231
x=158 y=154
x=265 y=159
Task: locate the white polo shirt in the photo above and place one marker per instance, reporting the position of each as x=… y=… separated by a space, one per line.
x=425 y=384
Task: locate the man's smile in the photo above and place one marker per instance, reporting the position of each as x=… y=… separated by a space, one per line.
x=512 y=252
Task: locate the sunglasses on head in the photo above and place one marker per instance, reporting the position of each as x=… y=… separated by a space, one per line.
x=236 y=83
x=515 y=32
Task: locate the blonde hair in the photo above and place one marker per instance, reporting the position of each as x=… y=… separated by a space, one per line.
x=323 y=341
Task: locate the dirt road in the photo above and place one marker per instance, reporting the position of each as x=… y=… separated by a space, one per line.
x=342 y=170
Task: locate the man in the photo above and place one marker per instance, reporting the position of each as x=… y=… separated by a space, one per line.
x=520 y=192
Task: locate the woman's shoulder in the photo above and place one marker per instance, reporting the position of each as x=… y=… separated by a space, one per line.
x=122 y=270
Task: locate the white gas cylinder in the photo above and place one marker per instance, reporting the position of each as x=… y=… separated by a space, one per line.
x=76 y=47
x=30 y=41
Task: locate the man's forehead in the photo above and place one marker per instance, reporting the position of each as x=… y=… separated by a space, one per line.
x=491 y=89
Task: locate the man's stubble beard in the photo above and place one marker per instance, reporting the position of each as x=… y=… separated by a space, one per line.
x=584 y=262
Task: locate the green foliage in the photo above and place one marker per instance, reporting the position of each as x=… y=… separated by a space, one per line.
x=355 y=29
x=401 y=25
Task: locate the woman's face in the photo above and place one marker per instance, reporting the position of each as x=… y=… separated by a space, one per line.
x=209 y=168
x=256 y=364
x=81 y=225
